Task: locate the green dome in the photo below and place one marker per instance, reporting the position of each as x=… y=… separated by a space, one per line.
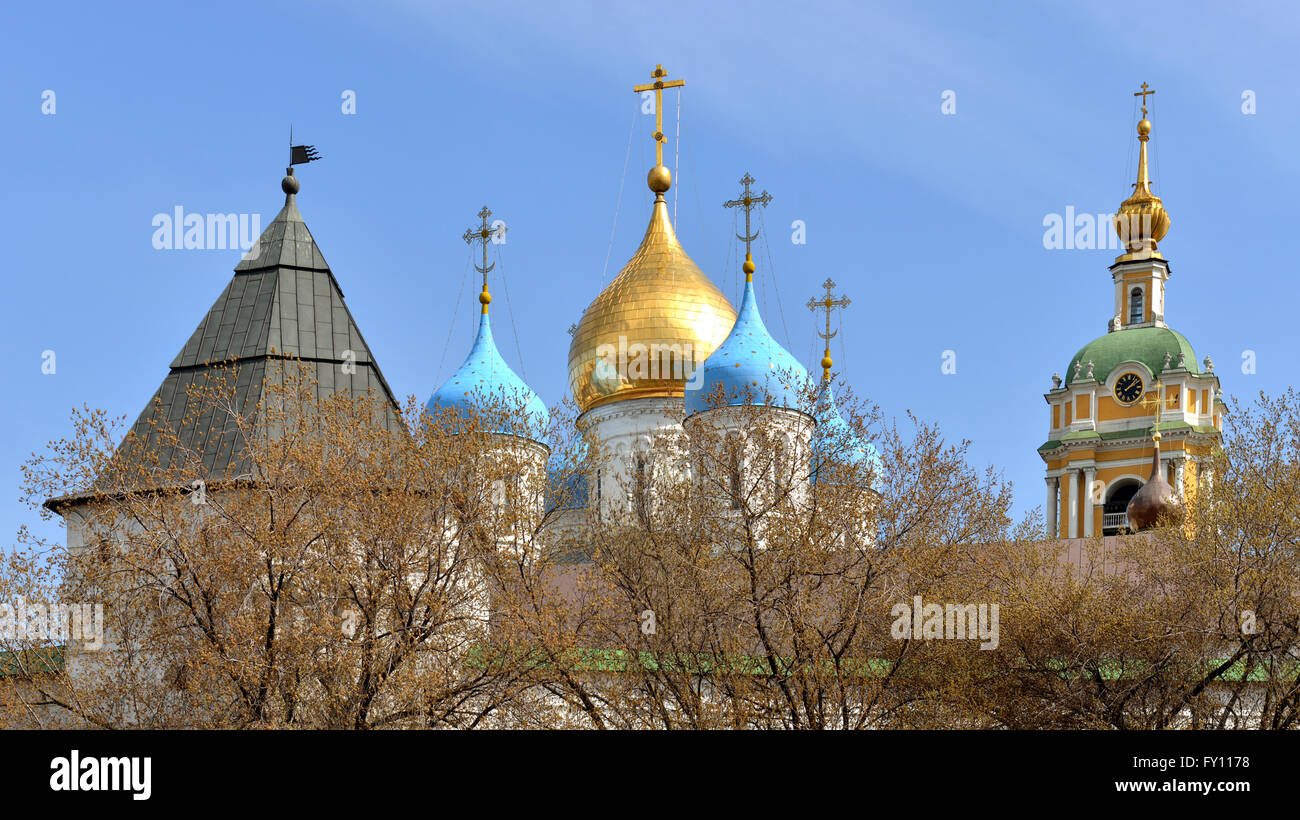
x=1147 y=345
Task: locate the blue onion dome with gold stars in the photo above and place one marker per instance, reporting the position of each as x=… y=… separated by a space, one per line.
x=485 y=378
x=835 y=440
x=750 y=366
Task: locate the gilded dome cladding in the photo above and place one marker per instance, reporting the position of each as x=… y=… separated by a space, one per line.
x=647 y=331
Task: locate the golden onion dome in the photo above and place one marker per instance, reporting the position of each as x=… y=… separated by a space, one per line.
x=655 y=322
x=1142 y=220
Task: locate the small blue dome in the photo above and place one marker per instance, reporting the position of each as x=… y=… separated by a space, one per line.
x=750 y=366
x=566 y=488
x=834 y=438
x=485 y=375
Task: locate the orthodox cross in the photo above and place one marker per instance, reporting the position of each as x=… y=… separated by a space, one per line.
x=658 y=87
x=828 y=303
x=1143 y=94
x=484 y=234
x=748 y=201
x=1157 y=402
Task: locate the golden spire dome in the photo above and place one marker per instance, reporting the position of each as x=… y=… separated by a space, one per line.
x=658 y=319
x=1142 y=220
x=647 y=331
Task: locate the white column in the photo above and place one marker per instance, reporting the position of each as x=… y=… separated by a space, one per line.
x=1089 y=475
x=1178 y=476
x=1073 y=501
x=1053 y=501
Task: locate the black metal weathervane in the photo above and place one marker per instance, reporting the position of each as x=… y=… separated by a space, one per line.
x=300 y=154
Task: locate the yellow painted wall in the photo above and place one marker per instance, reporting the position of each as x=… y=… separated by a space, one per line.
x=1108 y=474
x=1110 y=410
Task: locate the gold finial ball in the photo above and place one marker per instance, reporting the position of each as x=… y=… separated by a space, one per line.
x=1156 y=437
x=290 y=185
x=827 y=361
x=748 y=267
x=1144 y=127
x=660 y=179
x=485 y=298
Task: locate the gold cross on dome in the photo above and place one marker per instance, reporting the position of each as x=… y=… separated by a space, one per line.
x=1157 y=398
x=658 y=87
x=484 y=234
x=1143 y=94
x=828 y=303
x=1156 y=402
x=747 y=201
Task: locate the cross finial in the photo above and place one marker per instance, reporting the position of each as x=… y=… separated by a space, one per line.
x=828 y=302
x=660 y=179
x=1143 y=94
x=485 y=234
x=1156 y=402
x=748 y=201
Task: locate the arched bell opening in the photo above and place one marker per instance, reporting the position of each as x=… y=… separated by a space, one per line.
x=1114 y=515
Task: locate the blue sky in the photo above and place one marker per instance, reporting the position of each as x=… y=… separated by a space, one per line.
x=931 y=223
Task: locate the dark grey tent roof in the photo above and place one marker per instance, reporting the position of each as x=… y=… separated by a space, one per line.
x=283 y=302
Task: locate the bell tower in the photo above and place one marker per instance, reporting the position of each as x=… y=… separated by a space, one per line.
x=1141 y=377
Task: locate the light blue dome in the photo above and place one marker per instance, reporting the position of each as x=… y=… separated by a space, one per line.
x=834 y=438
x=566 y=487
x=486 y=376
x=750 y=366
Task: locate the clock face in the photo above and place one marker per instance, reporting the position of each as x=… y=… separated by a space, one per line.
x=1128 y=388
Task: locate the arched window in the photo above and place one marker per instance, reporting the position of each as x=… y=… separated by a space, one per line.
x=644 y=471
x=1135 y=306
x=734 y=488
x=779 y=484
x=1114 y=518
x=735 y=485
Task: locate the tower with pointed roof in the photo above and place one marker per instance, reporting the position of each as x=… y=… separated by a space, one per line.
x=283 y=303
x=282 y=308
x=1140 y=376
